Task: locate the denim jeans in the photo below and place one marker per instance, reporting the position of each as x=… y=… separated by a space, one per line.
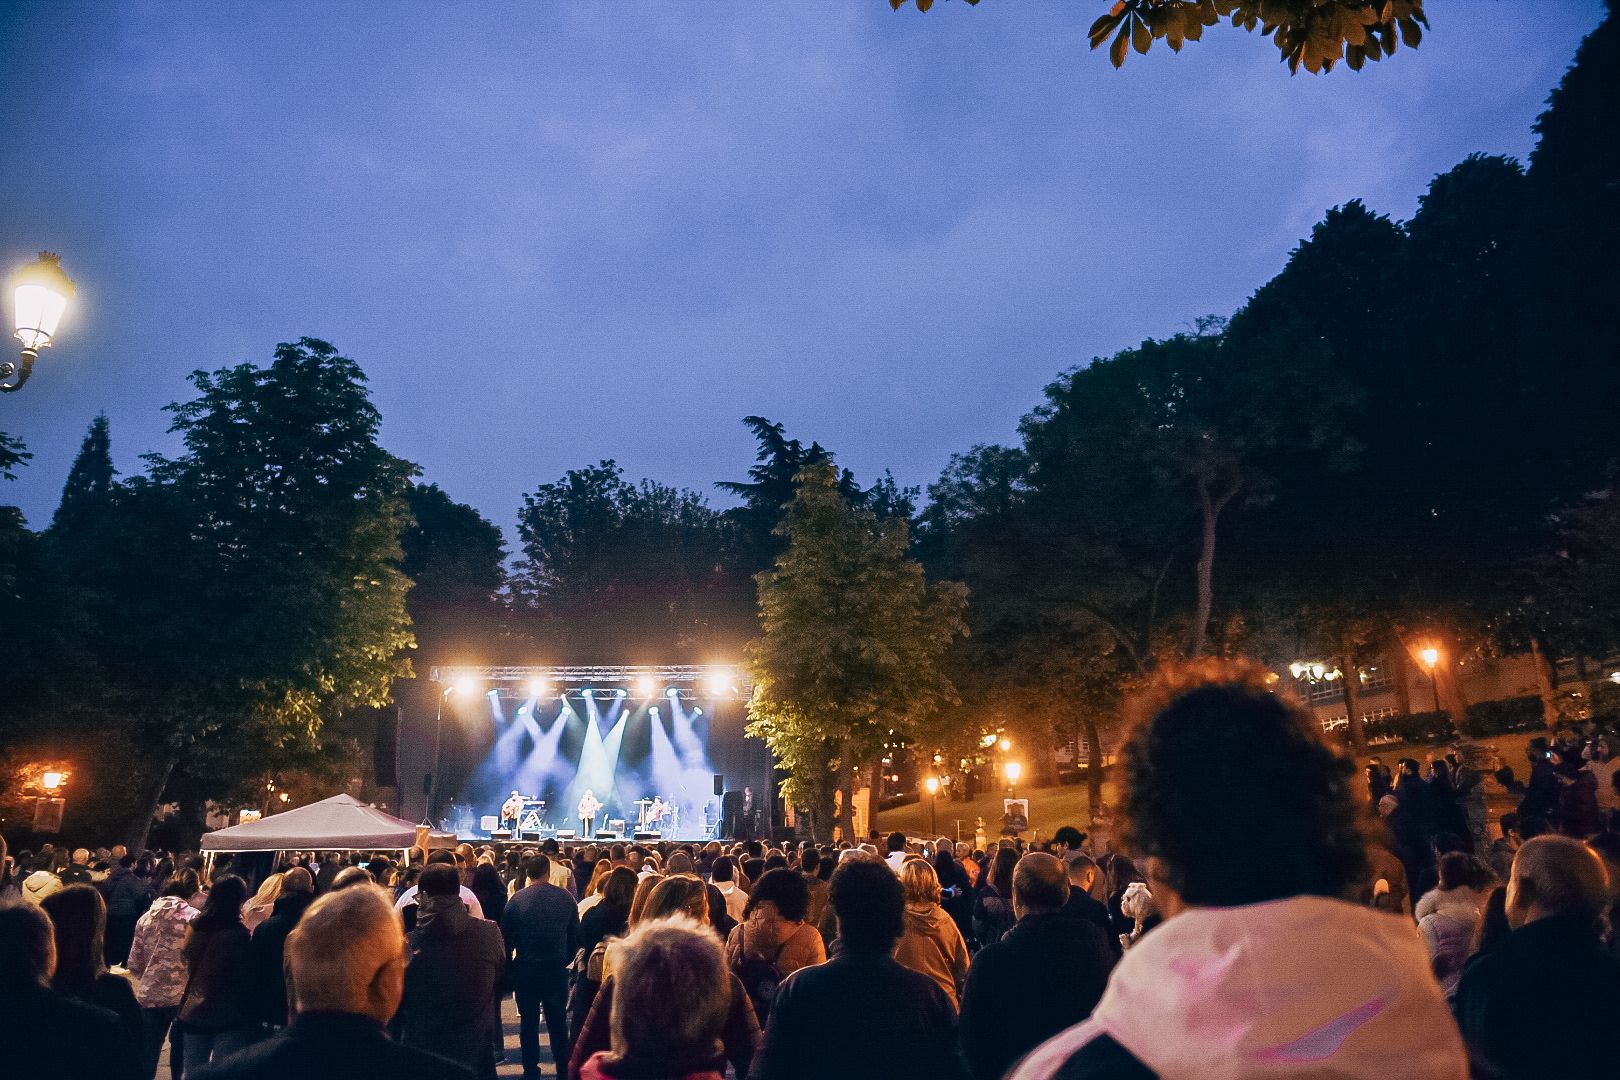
x=549 y=996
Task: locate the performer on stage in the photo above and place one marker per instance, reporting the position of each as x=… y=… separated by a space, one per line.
x=588 y=808
x=656 y=813
x=512 y=812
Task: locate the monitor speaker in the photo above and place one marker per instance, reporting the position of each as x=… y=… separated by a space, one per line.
x=719 y=783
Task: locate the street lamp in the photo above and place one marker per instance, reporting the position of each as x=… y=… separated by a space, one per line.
x=1006 y=745
x=51 y=782
x=1431 y=660
x=1014 y=770
x=932 y=784
x=40 y=295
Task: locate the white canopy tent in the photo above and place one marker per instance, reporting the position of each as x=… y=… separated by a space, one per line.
x=341 y=823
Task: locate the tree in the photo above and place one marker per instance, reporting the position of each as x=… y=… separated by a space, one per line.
x=258 y=592
x=452 y=554
x=615 y=567
x=770 y=487
x=1315 y=34
x=852 y=644
x=89 y=488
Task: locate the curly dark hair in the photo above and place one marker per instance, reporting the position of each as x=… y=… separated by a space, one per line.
x=1216 y=764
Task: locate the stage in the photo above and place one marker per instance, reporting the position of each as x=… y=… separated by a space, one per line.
x=630 y=739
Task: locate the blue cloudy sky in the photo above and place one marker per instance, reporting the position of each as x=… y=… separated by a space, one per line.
x=554 y=232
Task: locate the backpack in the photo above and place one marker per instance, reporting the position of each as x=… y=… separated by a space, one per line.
x=759 y=977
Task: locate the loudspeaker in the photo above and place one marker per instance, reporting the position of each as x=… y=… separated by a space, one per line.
x=647 y=836
x=427 y=783
x=566 y=834
x=719 y=784
x=500 y=834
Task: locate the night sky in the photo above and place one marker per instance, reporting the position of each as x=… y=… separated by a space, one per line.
x=557 y=232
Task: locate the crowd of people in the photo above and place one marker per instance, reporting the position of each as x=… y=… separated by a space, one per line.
x=1275 y=916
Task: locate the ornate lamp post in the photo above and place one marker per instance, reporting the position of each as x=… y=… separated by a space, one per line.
x=1431 y=660
x=40 y=295
x=932 y=783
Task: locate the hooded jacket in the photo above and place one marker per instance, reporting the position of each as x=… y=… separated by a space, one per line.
x=933 y=944
x=154 y=956
x=1303 y=987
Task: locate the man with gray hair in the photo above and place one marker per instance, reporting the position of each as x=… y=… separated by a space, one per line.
x=672 y=1002
x=346 y=975
x=1543 y=1002
x=1044 y=976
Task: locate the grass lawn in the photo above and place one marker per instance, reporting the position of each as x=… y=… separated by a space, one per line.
x=1065 y=804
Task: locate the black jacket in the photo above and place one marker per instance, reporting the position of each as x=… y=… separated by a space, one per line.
x=219 y=995
x=266 y=952
x=331 y=1046
x=1543 y=1003
x=1047 y=974
x=1082 y=905
x=456 y=965
x=39 y=1026
x=541 y=924
x=866 y=1017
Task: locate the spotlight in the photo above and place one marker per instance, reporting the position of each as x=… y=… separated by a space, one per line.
x=720 y=682
x=587 y=693
x=622 y=694
x=466 y=686
x=699 y=711
x=653 y=712
x=537 y=687
x=645 y=687
x=672 y=693
x=493 y=694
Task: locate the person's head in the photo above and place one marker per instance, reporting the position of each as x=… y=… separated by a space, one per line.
x=920 y=882
x=79 y=927
x=675 y=895
x=871 y=906
x=438 y=880
x=1443 y=843
x=81 y=857
x=724 y=869
x=1493 y=927
x=537 y=868
x=673 y=996
x=680 y=862
x=781 y=891
x=810 y=860
x=442 y=855
x=1556 y=876
x=1409 y=766
x=183 y=883
x=1081 y=869
x=1001 y=872
x=224 y=904
x=618 y=890
x=1510 y=827
x=1460 y=870
x=1040 y=885
x=297 y=881
x=347 y=954
x=27 y=946
x=896 y=842
x=1214 y=757
x=1068 y=838
x=350 y=876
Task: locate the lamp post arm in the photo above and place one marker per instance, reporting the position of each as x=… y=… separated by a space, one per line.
x=8 y=369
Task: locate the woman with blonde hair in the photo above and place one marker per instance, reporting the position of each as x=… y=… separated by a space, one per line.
x=258 y=909
x=678 y=896
x=932 y=943
x=593 y=888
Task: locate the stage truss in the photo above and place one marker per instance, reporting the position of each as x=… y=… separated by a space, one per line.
x=689 y=681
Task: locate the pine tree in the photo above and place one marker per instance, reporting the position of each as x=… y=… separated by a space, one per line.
x=89 y=486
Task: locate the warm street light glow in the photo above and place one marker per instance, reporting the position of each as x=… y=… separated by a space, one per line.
x=40 y=295
x=1430 y=656
x=1006 y=745
x=988 y=741
x=932 y=784
x=1014 y=771
x=284 y=796
x=51 y=781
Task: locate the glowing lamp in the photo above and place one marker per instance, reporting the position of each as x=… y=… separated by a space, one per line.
x=40 y=295
x=720 y=683
x=1014 y=771
x=1430 y=657
x=932 y=784
x=537 y=688
x=52 y=781
x=466 y=686
x=1006 y=745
